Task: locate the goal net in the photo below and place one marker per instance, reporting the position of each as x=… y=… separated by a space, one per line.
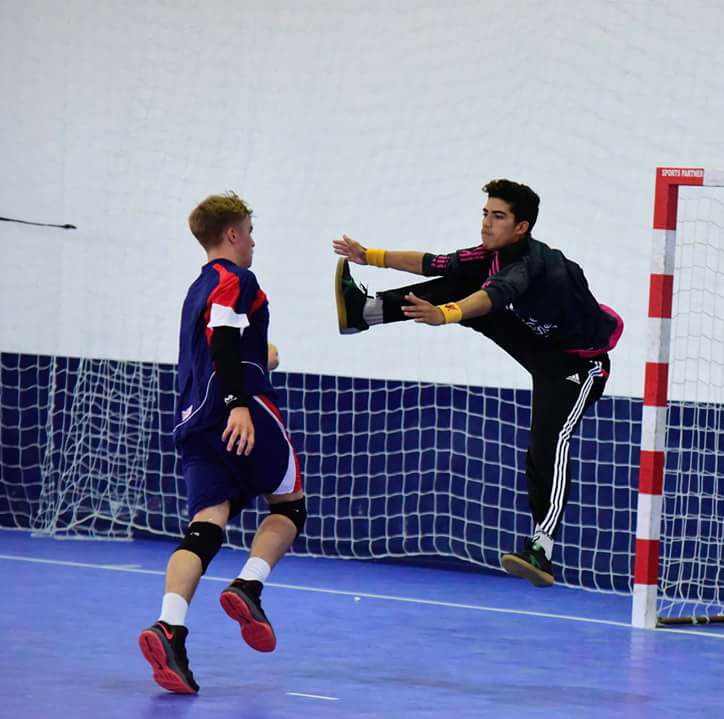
x=680 y=535
x=391 y=468
x=399 y=469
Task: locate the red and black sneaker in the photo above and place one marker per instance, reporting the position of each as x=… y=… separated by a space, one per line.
x=164 y=646
x=530 y=563
x=241 y=600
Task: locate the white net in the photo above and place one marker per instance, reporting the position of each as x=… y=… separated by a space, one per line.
x=391 y=469
x=692 y=547
x=396 y=468
x=77 y=438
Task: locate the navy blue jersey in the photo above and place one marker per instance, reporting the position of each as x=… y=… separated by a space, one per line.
x=223 y=296
x=542 y=287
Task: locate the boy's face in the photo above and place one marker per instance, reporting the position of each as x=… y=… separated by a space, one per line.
x=242 y=241
x=499 y=227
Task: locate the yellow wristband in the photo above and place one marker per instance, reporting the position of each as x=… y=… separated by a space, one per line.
x=376 y=258
x=451 y=312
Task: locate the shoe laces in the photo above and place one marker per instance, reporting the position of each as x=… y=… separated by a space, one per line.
x=252 y=588
x=359 y=287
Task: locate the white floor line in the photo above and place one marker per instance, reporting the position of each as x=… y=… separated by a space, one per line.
x=83 y=565
x=367 y=595
x=313 y=696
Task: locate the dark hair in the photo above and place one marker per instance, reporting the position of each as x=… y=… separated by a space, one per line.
x=522 y=200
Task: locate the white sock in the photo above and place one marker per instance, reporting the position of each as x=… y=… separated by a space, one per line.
x=255 y=569
x=173 y=609
x=544 y=540
x=372 y=311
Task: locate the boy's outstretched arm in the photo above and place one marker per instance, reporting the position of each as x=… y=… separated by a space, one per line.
x=405 y=260
x=475 y=305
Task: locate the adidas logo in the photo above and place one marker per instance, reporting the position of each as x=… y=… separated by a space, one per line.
x=574 y=378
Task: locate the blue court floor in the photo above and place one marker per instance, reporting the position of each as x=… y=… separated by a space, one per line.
x=355 y=639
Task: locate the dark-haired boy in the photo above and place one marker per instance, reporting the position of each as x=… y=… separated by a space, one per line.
x=532 y=302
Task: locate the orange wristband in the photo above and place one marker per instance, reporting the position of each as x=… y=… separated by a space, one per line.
x=451 y=312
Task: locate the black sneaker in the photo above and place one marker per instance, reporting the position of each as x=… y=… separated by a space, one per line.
x=531 y=563
x=241 y=600
x=164 y=646
x=350 y=300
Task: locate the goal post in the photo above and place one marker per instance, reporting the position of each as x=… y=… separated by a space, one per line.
x=649 y=569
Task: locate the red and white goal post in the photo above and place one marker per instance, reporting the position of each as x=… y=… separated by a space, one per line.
x=648 y=584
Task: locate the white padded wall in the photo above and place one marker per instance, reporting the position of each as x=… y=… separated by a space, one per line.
x=379 y=119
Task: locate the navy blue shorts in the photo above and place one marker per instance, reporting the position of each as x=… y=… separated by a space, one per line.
x=213 y=475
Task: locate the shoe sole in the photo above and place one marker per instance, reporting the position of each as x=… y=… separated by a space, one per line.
x=258 y=635
x=154 y=652
x=339 y=297
x=518 y=567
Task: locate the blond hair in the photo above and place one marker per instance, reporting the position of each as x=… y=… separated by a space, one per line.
x=211 y=217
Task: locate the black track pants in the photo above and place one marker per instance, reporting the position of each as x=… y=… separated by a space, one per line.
x=564 y=386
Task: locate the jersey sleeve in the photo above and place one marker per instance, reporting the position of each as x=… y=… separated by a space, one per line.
x=508 y=284
x=437 y=265
x=232 y=301
x=230 y=304
x=454 y=262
